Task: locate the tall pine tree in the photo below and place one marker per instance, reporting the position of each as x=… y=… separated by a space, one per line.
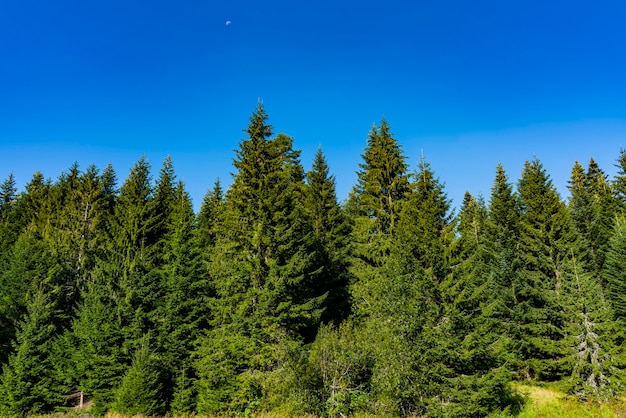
x=260 y=271
x=547 y=242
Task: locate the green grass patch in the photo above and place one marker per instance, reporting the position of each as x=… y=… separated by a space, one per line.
x=542 y=402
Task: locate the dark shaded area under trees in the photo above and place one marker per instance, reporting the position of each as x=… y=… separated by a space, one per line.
x=276 y=297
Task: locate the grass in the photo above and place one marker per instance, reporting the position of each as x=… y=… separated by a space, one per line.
x=544 y=402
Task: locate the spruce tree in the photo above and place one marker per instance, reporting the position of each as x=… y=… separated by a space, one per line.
x=28 y=384
x=478 y=380
x=209 y=217
x=502 y=237
x=124 y=290
x=614 y=273
x=376 y=201
x=547 y=241
x=592 y=208
x=401 y=305
x=25 y=271
x=140 y=391
x=619 y=182
x=382 y=181
x=597 y=355
x=9 y=227
x=100 y=356
x=260 y=272
x=426 y=225
x=330 y=237
x=182 y=315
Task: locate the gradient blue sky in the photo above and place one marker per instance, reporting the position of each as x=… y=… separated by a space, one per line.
x=470 y=84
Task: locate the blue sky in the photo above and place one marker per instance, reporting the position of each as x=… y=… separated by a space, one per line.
x=469 y=84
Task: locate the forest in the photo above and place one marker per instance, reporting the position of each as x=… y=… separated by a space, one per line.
x=276 y=297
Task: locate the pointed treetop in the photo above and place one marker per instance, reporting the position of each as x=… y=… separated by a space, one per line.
x=259 y=129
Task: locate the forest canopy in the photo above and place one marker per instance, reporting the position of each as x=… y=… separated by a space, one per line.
x=276 y=297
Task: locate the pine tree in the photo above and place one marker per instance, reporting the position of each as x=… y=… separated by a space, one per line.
x=502 y=238
x=182 y=315
x=614 y=272
x=592 y=208
x=209 y=217
x=100 y=355
x=25 y=271
x=382 y=181
x=141 y=392
x=402 y=307
x=597 y=354
x=259 y=271
x=330 y=235
x=547 y=241
x=27 y=382
x=478 y=381
x=619 y=182
x=9 y=227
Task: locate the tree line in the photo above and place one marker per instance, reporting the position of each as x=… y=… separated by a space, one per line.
x=276 y=297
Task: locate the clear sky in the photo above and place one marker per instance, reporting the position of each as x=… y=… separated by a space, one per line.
x=468 y=83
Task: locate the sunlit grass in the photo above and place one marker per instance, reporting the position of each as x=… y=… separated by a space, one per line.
x=549 y=403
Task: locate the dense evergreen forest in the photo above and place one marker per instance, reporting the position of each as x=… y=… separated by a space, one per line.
x=276 y=297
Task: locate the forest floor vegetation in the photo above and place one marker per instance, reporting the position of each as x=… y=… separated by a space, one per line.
x=541 y=402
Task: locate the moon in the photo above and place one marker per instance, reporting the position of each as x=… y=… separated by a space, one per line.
x=228 y=22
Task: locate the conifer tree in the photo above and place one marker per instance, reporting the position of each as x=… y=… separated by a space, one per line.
x=592 y=210
x=382 y=181
x=478 y=381
x=402 y=307
x=140 y=391
x=619 y=182
x=614 y=272
x=123 y=292
x=209 y=217
x=547 y=241
x=133 y=222
x=502 y=237
x=100 y=356
x=182 y=315
x=27 y=381
x=164 y=196
x=595 y=338
x=260 y=271
x=330 y=235
x=9 y=227
x=426 y=225
x=376 y=201
x=25 y=271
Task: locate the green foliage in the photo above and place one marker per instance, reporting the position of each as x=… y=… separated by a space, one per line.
x=547 y=240
x=275 y=299
x=140 y=391
x=184 y=396
x=260 y=268
x=209 y=217
x=330 y=239
x=619 y=182
x=342 y=361
x=24 y=271
x=614 y=272
x=592 y=208
x=27 y=381
x=100 y=359
x=383 y=182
